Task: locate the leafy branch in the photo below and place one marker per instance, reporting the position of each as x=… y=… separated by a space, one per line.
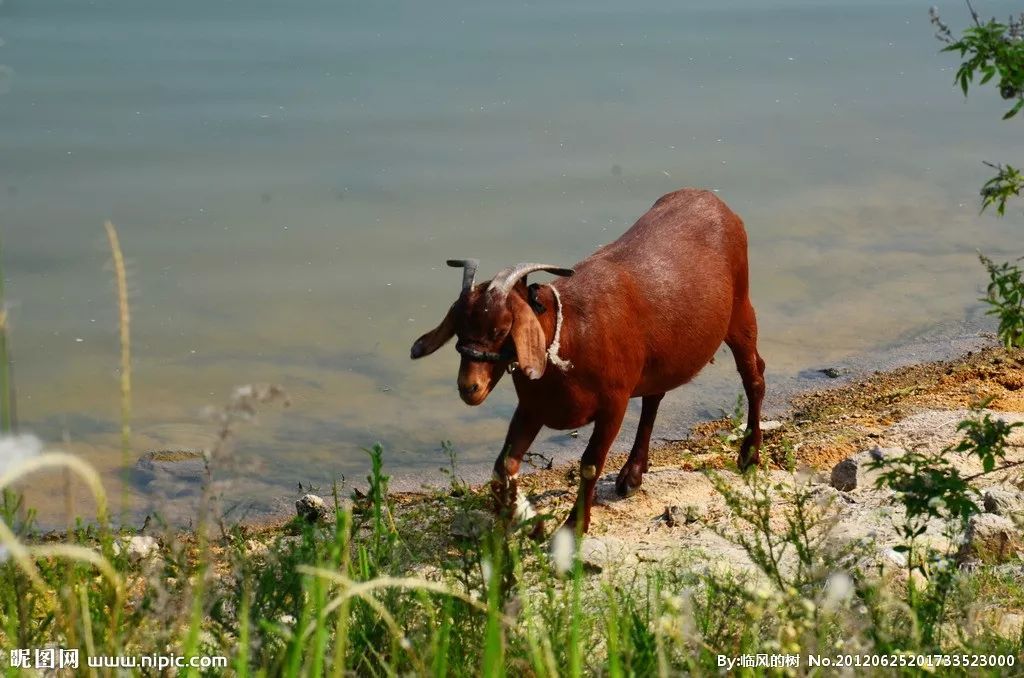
x=1005 y=295
x=994 y=51
x=1008 y=183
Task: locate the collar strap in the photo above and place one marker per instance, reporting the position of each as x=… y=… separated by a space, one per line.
x=556 y=342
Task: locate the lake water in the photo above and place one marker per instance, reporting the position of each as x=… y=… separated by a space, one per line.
x=288 y=178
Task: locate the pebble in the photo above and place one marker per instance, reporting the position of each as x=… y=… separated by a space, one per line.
x=311 y=507
x=138 y=548
x=1003 y=500
x=854 y=471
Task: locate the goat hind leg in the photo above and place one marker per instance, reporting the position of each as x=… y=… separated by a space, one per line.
x=742 y=340
x=632 y=474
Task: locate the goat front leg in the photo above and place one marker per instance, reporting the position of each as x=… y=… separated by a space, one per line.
x=606 y=427
x=509 y=507
x=632 y=473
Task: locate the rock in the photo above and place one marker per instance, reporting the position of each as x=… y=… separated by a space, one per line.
x=835 y=372
x=990 y=539
x=767 y=425
x=844 y=475
x=255 y=548
x=933 y=430
x=606 y=552
x=1016 y=437
x=890 y=566
x=653 y=554
x=138 y=548
x=1010 y=625
x=676 y=515
x=1004 y=500
x=920 y=581
x=851 y=534
x=288 y=543
x=854 y=471
x=171 y=466
x=884 y=566
x=892 y=558
x=311 y=507
x=826 y=494
x=471 y=524
x=594 y=554
x=672 y=515
x=428 y=572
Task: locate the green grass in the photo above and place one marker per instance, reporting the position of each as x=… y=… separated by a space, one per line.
x=371 y=592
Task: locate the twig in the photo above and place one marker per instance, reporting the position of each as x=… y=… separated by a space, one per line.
x=1004 y=467
x=942 y=31
x=974 y=15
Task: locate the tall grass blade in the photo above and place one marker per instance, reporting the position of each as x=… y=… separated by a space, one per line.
x=124 y=323
x=494 y=641
x=90 y=643
x=242 y=659
x=7 y=408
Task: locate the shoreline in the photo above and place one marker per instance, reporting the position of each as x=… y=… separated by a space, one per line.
x=822 y=426
x=783 y=398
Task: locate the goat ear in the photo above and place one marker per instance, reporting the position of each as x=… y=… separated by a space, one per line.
x=529 y=339
x=435 y=338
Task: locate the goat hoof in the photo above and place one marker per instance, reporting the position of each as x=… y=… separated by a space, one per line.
x=624 y=485
x=625 y=490
x=745 y=462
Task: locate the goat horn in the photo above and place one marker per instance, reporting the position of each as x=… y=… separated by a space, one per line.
x=468 y=267
x=506 y=278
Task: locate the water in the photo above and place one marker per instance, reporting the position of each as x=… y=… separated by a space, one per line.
x=288 y=179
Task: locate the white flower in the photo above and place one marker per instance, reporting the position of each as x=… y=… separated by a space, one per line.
x=524 y=509
x=838 y=589
x=486 y=570
x=563 y=544
x=18 y=448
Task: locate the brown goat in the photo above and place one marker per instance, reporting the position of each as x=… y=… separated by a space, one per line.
x=637 y=318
